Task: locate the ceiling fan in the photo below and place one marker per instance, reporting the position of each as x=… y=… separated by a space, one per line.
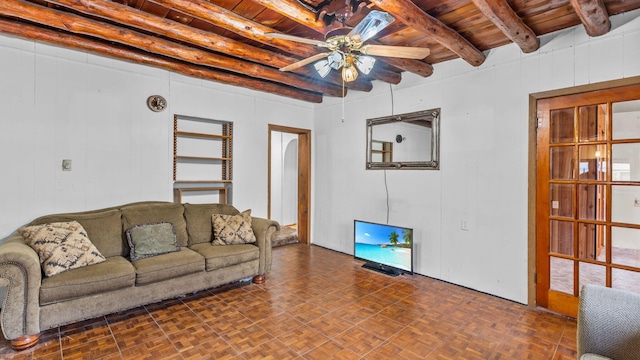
x=350 y=52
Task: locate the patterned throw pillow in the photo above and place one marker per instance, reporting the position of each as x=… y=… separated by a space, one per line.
x=148 y=240
x=61 y=246
x=232 y=229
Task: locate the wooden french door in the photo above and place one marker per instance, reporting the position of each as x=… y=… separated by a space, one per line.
x=587 y=195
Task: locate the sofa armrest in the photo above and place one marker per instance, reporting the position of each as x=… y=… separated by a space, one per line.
x=20 y=272
x=264 y=230
x=608 y=323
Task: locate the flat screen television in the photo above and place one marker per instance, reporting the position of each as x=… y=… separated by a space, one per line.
x=384 y=248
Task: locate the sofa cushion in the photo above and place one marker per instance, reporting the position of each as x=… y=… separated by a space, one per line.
x=154 y=212
x=61 y=246
x=222 y=256
x=113 y=274
x=148 y=240
x=232 y=229
x=104 y=228
x=168 y=266
x=198 y=217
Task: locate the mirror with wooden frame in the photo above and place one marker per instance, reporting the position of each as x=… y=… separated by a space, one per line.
x=404 y=142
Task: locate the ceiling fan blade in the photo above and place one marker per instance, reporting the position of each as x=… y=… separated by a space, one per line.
x=372 y=24
x=304 y=62
x=297 y=39
x=406 y=52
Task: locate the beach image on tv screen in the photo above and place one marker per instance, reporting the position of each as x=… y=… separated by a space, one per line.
x=383 y=244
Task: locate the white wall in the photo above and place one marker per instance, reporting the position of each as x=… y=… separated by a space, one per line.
x=284 y=177
x=483 y=175
x=62 y=104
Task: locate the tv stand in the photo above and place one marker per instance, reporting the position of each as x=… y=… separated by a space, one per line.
x=382 y=269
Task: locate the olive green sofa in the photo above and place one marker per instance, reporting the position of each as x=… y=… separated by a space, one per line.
x=35 y=303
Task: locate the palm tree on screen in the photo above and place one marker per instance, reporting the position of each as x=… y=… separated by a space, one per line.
x=393 y=238
x=406 y=236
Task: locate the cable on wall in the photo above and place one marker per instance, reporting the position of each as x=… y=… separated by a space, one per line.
x=391 y=90
x=386 y=188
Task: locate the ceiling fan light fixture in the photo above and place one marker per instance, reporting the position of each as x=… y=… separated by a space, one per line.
x=365 y=63
x=349 y=72
x=334 y=60
x=322 y=67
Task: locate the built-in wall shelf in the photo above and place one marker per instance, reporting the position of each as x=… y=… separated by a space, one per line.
x=193 y=134
x=202 y=157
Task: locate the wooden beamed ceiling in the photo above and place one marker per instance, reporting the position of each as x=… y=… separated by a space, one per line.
x=226 y=40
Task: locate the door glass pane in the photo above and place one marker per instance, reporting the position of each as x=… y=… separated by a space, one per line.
x=561 y=277
x=591 y=202
x=593 y=124
x=626 y=161
x=561 y=200
x=626 y=120
x=625 y=280
x=625 y=246
x=562 y=163
x=561 y=237
x=593 y=162
x=592 y=274
x=625 y=204
x=562 y=128
x=592 y=242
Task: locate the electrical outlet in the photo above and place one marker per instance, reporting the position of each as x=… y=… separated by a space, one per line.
x=66 y=165
x=464 y=225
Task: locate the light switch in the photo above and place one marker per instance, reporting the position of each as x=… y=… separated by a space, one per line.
x=66 y=165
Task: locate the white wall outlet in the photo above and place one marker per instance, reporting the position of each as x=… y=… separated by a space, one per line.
x=66 y=165
x=464 y=224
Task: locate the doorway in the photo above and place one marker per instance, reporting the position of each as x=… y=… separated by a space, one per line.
x=289 y=194
x=587 y=199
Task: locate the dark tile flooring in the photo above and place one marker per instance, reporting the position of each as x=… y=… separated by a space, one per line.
x=318 y=304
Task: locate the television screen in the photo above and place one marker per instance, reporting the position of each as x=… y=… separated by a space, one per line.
x=385 y=248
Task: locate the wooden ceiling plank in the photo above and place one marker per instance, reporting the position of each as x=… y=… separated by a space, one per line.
x=502 y=15
x=77 y=24
x=298 y=13
x=58 y=38
x=594 y=16
x=412 y=16
x=177 y=30
x=231 y=21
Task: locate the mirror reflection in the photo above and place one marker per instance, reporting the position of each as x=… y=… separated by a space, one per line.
x=407 y=141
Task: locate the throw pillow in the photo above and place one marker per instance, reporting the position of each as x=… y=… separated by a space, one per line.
x=61 y=246
x=148 y=240
x=232 y=229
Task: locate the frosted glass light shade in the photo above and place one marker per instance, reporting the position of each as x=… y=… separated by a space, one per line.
x=365 y=63
x=322 y=67
x=349 y=73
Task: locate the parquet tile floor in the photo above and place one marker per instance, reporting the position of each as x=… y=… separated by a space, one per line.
x=318 y=304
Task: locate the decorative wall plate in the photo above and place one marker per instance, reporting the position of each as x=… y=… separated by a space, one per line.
x=156 y=103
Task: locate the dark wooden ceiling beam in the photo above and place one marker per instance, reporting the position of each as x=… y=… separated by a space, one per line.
x=298 y=13
x=502 y=15
x=231 y=21
x=411 y=15
x=594 y=16
x=80 y=25
x=58 y=38
x=128 y=16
